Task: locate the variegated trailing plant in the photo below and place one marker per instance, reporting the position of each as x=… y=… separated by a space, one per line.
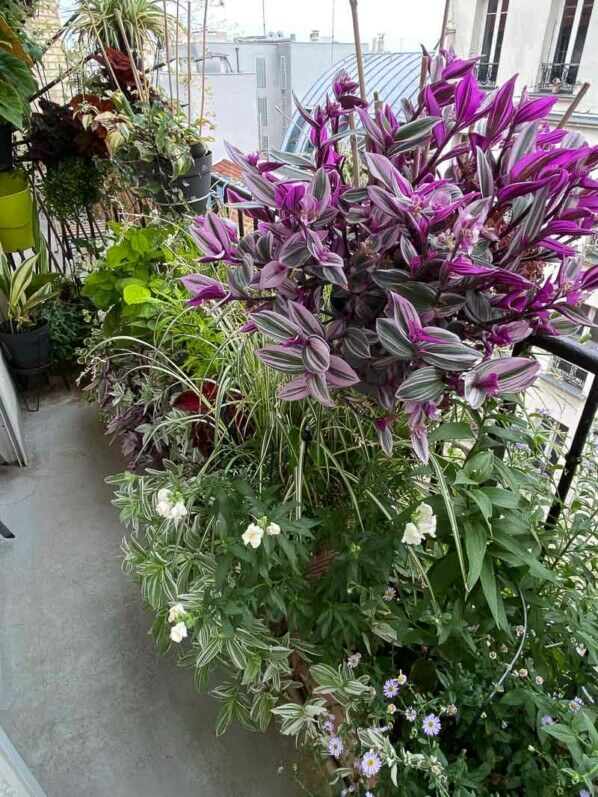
x=404 y=292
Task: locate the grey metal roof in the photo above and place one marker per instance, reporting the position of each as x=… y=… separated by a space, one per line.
x=392 y=75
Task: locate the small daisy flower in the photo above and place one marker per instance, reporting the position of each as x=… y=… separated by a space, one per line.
x=328 y=726
x=523 y=673
x=436 y=769
x=584 y=793
x=504 y=649
x=539 y=680
x=452 y=710
x=370 y=764
x=335 y=746
x=390 y=594
x=410 y=714
x=431 y=725
x=353 y=660
x=391 y=708
x=391 y=688
x=493 y=655
x=401 y=679
x=519 y=630
x=547 y=720
x=576 y=704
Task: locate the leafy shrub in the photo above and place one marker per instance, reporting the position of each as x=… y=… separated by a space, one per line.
x=403 y=289
x=70 y=323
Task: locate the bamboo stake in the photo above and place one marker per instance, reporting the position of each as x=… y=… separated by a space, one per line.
x=577 y=99
x=142 y=59
x=167 y=48
x=358 y=53
x=134 y=69
x=445 y=16
x=189 y=114
x=203 y=64
x=176 y=51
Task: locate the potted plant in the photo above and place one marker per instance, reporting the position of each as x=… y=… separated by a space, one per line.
x=16 y=87
x=24 y=336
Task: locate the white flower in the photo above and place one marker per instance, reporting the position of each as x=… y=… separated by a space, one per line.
x=177 y=511
x=178 y=632
x=412 y=535
x=176 y=612
x=581 y=650
x=425 y=519
x=272 y=529
x=253 y=535
x=164 y=495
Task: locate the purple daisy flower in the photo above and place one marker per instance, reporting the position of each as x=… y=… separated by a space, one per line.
x=391 y=688
x=576 y=704
x=410 y=714
x=328 y=726
x=370 y=764
x=335 y=746
x=431 y=725
x=390 y=594
x=584 y=793
x=547 y=720
x=353 y=660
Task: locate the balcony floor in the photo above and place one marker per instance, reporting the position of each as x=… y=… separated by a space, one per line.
x=84 y=697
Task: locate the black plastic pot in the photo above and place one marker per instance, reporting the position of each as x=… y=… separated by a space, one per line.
x=5 y=146
x=27 y=351
x=195 y=184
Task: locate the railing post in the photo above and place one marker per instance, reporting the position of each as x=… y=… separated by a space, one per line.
x=575 y=454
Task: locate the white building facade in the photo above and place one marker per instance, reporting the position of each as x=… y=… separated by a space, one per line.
x=552 y=45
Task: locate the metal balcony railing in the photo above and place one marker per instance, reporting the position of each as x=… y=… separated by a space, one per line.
x=558 y=78
x=486 y=73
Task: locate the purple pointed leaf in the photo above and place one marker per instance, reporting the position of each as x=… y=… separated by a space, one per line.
x=274 y=325
x=495 y=377
x=304 y=319
x=340 y=373
x=295 y=390
x=357 y=343
x=394 y=340
x=405 y=315
x=449 y=356
x=316 y=355
x=425 y=384
x=282 y=358
x=319 y=390
x=485 y=176
x=273 y=275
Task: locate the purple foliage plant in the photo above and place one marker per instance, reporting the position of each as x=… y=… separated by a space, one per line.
x=406 y=290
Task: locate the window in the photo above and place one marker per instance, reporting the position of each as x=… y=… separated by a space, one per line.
x=262 y=111
x=562 y=71
x=260 y=72
x=492 y=39
x=284 y=100
x=265 y=144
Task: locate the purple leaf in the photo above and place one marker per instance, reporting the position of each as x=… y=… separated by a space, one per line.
x=295 y=390
x=319 y=390
x=340 y=373
x=273 y=275
x=495 y=377
x=274 y=325
x=316 y=355
x=468 y=98
x=425 y=384
x=282 y=358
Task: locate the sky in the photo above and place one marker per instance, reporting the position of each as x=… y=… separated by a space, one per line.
x=406 y=23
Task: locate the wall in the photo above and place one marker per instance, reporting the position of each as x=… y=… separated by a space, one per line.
x=42 y=27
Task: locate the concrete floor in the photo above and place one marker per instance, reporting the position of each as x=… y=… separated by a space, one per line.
x=84 y=697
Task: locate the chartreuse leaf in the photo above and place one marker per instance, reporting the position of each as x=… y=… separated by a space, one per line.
x=136 y=294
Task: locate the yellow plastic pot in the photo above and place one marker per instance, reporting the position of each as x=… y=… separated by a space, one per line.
x=16 y=222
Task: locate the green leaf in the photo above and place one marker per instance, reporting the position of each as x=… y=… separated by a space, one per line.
x=136 y=294
x=475 y=545
x=11 y=106
x=452 y=431
x=412 y=133
x=483 y=502
x=479 y=468
x=224 y=718
x=492 y=594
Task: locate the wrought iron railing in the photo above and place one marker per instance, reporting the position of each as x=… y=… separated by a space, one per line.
x=486 y=73
x=581 y=356
x=558 y=77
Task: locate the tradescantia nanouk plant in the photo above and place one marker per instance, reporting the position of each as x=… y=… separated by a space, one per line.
x=402 y=292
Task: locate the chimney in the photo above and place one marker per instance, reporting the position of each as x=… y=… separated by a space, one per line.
x=314 y=36
x=380 y=43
